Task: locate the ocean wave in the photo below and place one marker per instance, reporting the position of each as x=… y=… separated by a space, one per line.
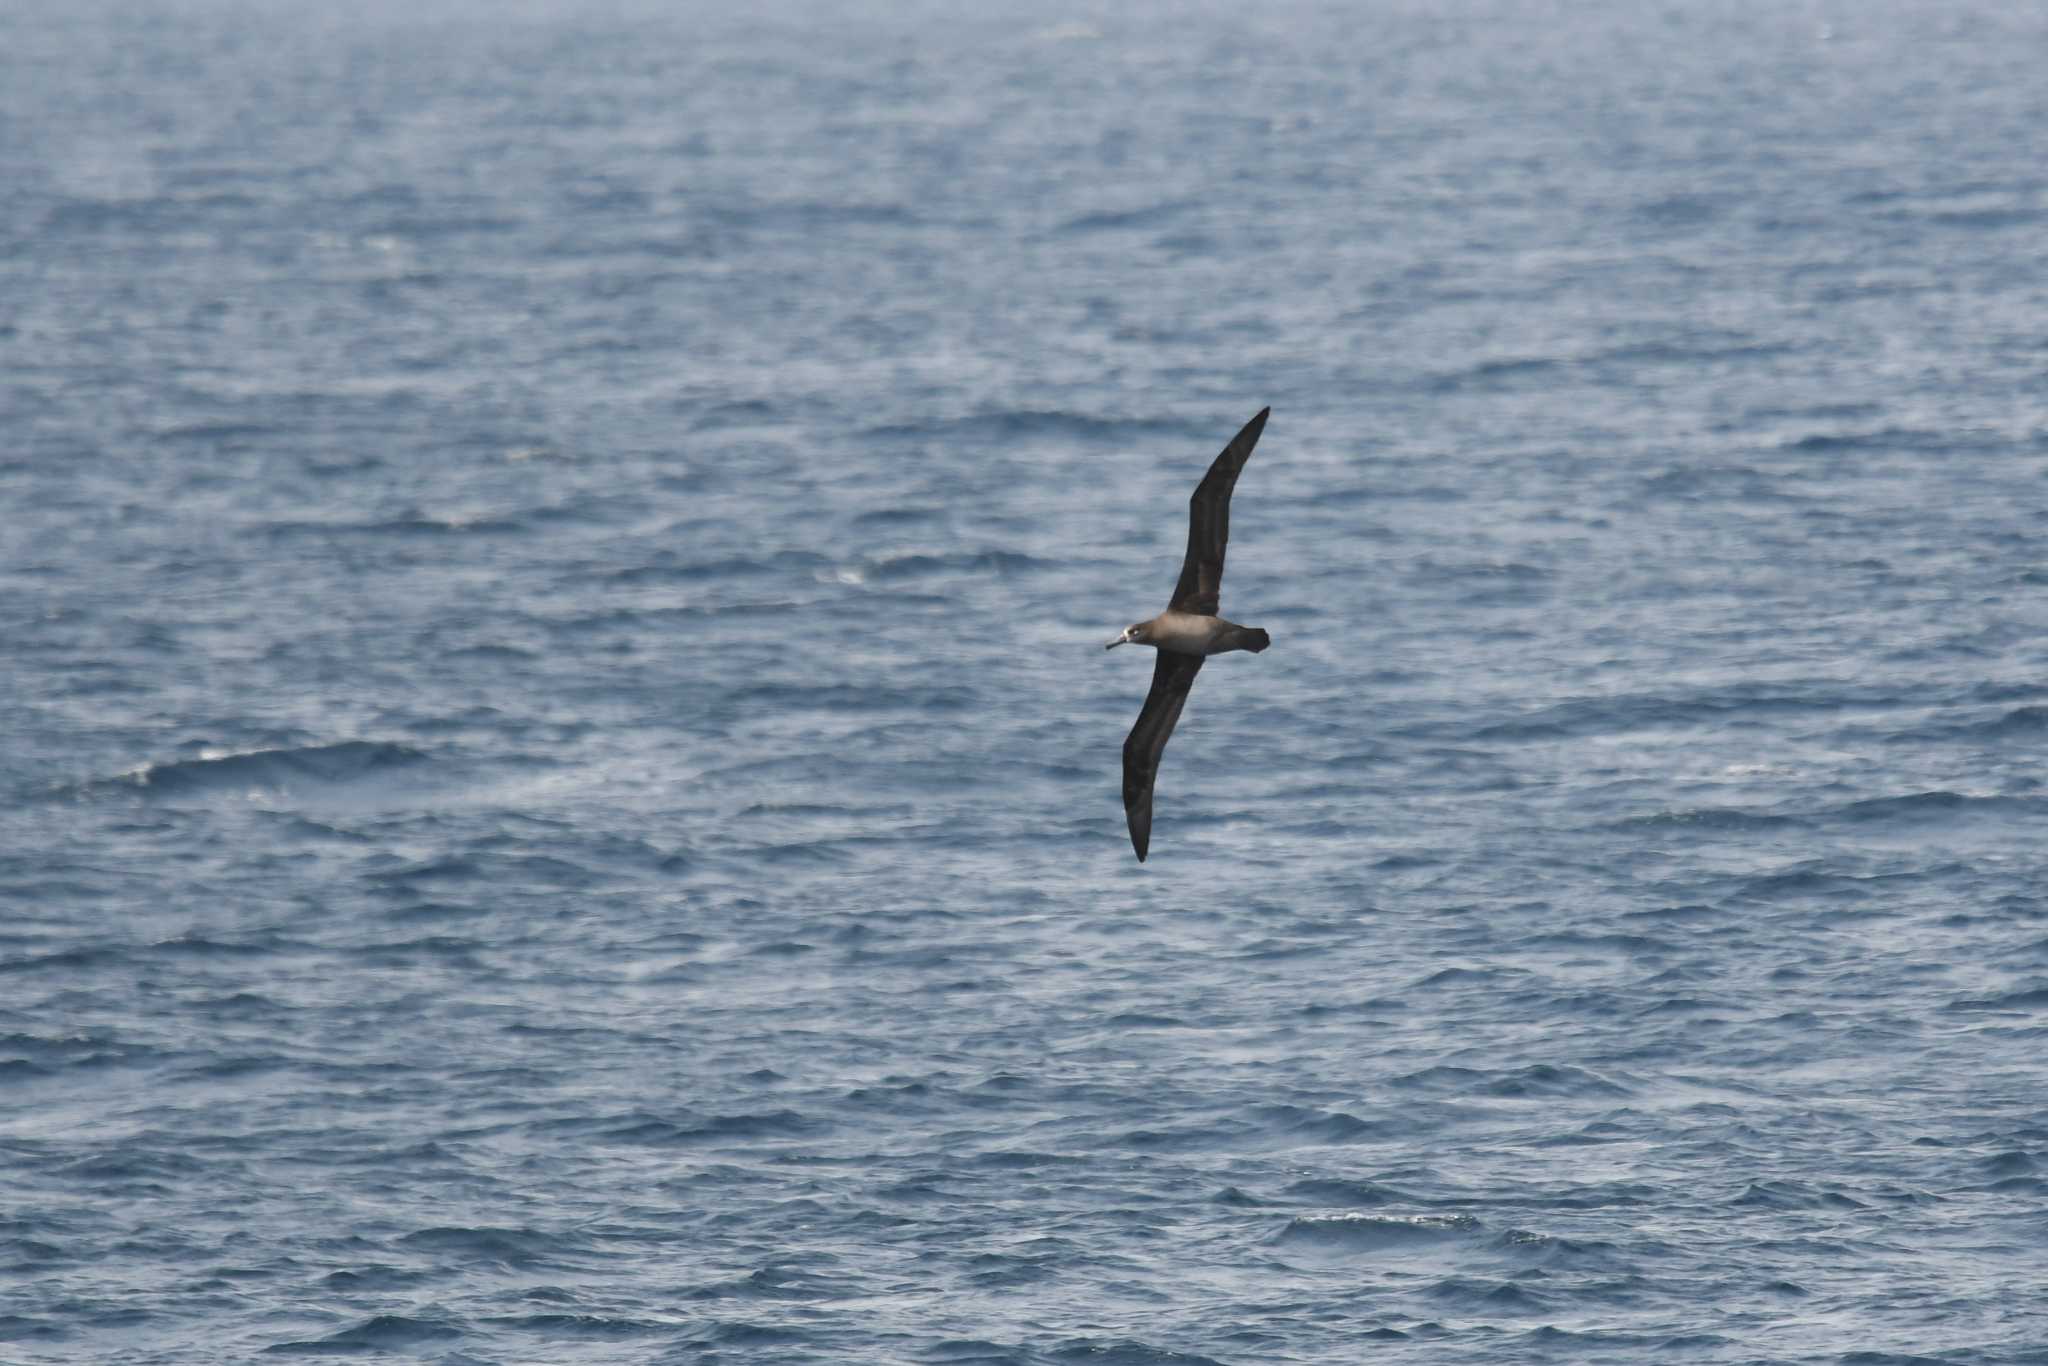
x=1359 y=1194
x=2028 y=1000
x=1548 y=1250
x=583 y=1327
x=1477 y=1296
x=1030 y=424
x=816 y=215
x=1150 y=216
x=373 y=1336
x=1734 y=820
x=508 y=1247
x=1377 y=1232
x=294 y=771
x=1125 y=1352
x=654 y=1132
x=1003 y=563
x=416 y=524
x=671 y=568
x=1937 y=806
x=1522 y=1083
x=971 y=1352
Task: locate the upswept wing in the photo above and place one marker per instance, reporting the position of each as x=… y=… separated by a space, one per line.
x=1172 y=676
x=1201 y=573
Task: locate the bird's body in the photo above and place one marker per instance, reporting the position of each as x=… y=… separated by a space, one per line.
x=1187 y=632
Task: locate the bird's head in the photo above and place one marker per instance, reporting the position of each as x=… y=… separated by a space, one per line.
x=1133 y=635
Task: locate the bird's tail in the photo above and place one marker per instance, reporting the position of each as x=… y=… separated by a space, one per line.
x=1250 y=638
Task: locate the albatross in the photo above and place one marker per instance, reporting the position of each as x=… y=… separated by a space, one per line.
x=1187 y=632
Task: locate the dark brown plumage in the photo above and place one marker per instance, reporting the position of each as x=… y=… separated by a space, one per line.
x=1188 y=631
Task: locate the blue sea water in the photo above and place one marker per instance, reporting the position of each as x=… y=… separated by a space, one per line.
x=559 y=787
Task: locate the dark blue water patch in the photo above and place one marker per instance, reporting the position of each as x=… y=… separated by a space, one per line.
x=1007 y=1159
x=1474 y=1295
x=1935 y=440
x=1987 y=220
x=1005 y=426
x=2025 y=1000
x=1692 y=914
x=669 y=567
x=1541 y=1080
x=304 y=769
x=2008 y=1164
x=25 y=1328
x=1809 y=881
x=411 y=525
x=1373 y=1233
x=437 y=872
x=66 y=961
x=1709 y=820
x=1498 y=375
x=1350 y=1194
x=1683 y=211
x=1462 y=978
x=1936 y=808
x=1141 y=1020
x=896 y=518
x=737 y=413
x=198 y=946
x=232 y=1068
x=650 y=1131
x=1601 y=1195
x=220 y=436
x=1552 y=1252
x=2021 y=723
x=971 y=1352
x=1001 y=563
x=494 y=1246
x=1124 y=1352
x=807 y=215
x=1579 y=942
x=1718 y=483
x=1782 y=1194
x=1693 y=353
x=1147 y=218
x=441 y=950
x=378 y=1336
x=581 y=1327
x=31 y=1055
x=743 y=1336
x=782 y=1282
x=151 y=216
x=1311 y=1125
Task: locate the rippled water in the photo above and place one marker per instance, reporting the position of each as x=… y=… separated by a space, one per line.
x=561 y=794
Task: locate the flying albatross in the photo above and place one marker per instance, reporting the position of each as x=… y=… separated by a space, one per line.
x=1187 y=632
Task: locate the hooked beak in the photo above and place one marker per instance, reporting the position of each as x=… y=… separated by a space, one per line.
x=1123 y=639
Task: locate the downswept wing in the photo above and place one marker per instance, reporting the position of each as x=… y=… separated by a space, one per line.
x=1201 y=573
x=1172 y=676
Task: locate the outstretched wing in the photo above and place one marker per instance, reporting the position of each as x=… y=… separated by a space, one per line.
x=1172 y=676
x=1201 y=574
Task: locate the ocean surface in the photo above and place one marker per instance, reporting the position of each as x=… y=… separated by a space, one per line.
x=559 y=783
